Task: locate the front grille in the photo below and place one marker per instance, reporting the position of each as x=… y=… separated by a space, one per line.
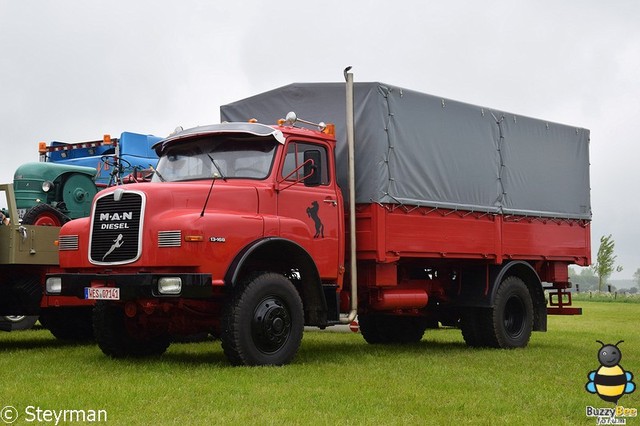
x=116 y=228
x=68 y=242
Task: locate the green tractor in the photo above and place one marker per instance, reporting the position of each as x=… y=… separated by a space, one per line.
x=50 y=194
x=63 y=183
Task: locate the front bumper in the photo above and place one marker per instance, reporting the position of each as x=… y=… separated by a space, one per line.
x=133 y=286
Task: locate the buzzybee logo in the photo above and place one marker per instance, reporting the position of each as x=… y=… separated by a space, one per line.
x=610 y=382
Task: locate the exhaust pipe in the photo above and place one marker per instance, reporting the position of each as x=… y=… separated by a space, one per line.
x=348 y=318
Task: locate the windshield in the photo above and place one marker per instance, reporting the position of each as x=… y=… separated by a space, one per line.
x=216 y=157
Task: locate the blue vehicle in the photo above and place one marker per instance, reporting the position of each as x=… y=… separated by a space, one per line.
x=61 y=186
x=130 y=153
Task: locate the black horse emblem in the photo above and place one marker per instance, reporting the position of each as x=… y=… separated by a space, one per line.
x=312 y=212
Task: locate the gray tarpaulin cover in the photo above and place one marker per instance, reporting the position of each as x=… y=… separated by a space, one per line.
x=418 y=149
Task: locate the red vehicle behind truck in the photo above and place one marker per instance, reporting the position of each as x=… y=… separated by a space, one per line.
x=455 y=214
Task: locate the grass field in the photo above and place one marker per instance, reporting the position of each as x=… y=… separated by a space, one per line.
x=336 y=379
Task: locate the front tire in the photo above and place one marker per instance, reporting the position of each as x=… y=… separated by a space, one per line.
x=263 y=324
x=118 y=338
x=71 y=324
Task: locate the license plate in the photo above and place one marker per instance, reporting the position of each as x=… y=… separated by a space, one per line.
x=102 y=293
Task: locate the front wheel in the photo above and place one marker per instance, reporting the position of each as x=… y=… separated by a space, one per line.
x=71 y=324
x=263 y=324
x=119 y=337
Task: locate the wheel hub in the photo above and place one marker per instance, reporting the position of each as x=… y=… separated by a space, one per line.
x=514 y=316
x=271 y=324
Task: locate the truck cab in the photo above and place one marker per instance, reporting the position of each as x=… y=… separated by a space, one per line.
x=233 y=209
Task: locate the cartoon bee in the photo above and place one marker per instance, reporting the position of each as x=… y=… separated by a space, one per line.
x=610 y=381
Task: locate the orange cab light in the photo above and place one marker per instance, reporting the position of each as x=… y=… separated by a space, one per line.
x=253 y=120
x=106 y=139
x=194 y=238
x=42 y=148
x=281 y=122
x=56 y=243
x=330 y=129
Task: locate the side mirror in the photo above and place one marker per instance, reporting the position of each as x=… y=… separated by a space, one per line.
x=312 y=167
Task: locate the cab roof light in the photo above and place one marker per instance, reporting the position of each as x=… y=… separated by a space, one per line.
x=330 y=129
x=106 y=139
x=42 y=148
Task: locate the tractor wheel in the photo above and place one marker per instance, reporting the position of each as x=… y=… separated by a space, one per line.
x=263 y=324
x=510 y=322
x=44 y=215
x=19 y=322
x=386 y=329
x=118 y=337
x=71 y=324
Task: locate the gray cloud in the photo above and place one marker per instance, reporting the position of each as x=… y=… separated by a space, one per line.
x=74 y=70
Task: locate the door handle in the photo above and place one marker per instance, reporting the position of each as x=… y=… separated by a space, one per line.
x=333 y=202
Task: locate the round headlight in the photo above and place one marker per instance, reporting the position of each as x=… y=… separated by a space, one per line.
x=47 y=186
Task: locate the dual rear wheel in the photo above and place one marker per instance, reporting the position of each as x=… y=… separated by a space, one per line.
x=507 y=325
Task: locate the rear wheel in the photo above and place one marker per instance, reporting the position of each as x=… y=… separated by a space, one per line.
x=510 y=322
x=472 y=330
x=382 y=329
x=73 y=324
x=19 y=322
x=44 y=215
x=264 y=322
x=119 y=337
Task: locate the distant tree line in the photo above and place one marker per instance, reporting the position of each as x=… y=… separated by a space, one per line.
x=596 y=277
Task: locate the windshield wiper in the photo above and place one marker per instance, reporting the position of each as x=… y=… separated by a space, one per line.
x=224 y=178
x=213 y=181
x=162 y=179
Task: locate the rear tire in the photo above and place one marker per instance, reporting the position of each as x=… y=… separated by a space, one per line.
x=471 y=327
x=386 y=329
x=509 y=323
x=119 y=339
x=71 y=324
x=263 y=324
x=19 y=322
x=44 y=215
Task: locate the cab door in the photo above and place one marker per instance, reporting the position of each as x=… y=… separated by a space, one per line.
x=309 y=207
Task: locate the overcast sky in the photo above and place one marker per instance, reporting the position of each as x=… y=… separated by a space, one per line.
x=75 y=70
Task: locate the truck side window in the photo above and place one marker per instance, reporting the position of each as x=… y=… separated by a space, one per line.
x=295 y=158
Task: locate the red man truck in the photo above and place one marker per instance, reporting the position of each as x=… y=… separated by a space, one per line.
x=455 y=214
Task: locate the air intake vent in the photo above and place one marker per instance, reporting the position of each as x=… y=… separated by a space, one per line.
x=116 y=228
x=169 y=239
x=68 y=242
